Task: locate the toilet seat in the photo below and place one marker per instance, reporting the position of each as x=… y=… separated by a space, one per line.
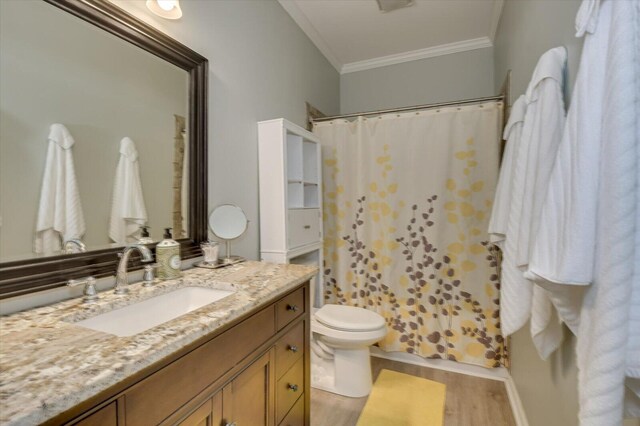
x=349 y=318
x=353 y=337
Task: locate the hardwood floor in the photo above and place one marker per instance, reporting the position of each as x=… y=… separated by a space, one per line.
x=470 y=401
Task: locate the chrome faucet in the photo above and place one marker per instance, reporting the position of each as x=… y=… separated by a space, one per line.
x=121 y=275
x=79 y=246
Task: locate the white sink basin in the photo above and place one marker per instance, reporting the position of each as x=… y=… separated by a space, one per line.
x=157 y=310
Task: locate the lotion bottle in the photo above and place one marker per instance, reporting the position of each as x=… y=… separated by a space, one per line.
x=168 y=257
x=145 y=238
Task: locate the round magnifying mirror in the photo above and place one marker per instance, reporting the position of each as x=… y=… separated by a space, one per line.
x=228 y=222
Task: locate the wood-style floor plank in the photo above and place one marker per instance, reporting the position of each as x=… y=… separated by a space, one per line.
x=470 y=401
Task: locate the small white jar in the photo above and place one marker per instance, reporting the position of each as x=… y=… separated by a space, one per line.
x=210 y=251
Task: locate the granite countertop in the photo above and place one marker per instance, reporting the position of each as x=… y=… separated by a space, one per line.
x=48 y=364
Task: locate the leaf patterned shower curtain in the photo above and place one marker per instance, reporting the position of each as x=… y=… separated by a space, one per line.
x=407 y=199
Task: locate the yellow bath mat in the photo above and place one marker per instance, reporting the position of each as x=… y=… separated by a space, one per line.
x=399 y=399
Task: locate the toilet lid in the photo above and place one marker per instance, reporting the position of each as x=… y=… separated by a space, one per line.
x=349 y=318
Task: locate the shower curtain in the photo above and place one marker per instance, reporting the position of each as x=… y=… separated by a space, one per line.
x=407 y=199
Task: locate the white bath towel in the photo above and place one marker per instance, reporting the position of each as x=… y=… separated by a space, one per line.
x=500 y=212
x=60 y=214
x=128 y=211
x=587 y=250
x=545 y=326
x=632 y=393
x=541 y=133
x=544 y=123
x=565 y=245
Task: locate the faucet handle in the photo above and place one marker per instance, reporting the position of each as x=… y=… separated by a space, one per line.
x=86 y=281
x=149 y=274
x=90 y=292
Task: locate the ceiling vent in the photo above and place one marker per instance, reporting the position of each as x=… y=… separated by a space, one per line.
x=389 y=5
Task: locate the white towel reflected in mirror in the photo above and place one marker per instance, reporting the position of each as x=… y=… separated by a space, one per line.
x=60 y=215
x=128 y=211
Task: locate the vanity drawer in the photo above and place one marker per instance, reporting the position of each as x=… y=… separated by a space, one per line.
x=304 y=227
x=105 y=416
x=159 y=395
x=289 y=308
x=289 y=348
x=289 y=389
x=296 y=415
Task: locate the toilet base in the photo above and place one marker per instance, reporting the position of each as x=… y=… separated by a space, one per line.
x=347 y=374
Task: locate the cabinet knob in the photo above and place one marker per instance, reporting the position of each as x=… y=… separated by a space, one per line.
x=293 y=348
x=307 y=227
x=293 y=388
x=292 y=308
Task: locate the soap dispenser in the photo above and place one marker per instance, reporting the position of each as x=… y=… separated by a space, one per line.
x=168 y=257
x=145 y=238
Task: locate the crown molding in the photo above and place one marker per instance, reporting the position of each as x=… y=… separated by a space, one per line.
x=496 y=12
x=307 y=27
x=291 y=7
x=414 y=55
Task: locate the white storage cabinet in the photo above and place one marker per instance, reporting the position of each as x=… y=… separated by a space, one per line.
x=290 y=194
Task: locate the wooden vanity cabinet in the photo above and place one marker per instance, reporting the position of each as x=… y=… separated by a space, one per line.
x=207 y=414
x=248 y=399
x=255 y=373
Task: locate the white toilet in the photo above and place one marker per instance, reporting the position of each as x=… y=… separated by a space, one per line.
x=340 y=359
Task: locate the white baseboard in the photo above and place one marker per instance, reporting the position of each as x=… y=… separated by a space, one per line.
x=516 y=404
x=500 y=374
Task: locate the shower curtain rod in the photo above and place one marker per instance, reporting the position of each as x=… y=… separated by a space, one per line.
x=411 y=108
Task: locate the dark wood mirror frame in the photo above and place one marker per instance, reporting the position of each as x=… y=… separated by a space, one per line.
x=36 y=274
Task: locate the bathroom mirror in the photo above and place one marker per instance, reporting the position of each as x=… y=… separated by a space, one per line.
x=228 y=222
x=144 y=101
x=121 y=98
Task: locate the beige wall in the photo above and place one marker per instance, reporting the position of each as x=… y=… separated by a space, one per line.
x=442 y=78
x=261 y=66
x=527 y=29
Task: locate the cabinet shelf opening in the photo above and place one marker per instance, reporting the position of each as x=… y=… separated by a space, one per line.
x=295 y=195
x=294 y=157
x=311 y=196
x=310 y=154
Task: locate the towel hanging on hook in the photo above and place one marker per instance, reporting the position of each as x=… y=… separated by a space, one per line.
x=128 y=211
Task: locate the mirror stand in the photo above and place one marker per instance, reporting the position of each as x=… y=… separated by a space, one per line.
x=227 y=258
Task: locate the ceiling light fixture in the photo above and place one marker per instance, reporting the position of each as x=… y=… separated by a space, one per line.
x=389 y=5
x=169 y=9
